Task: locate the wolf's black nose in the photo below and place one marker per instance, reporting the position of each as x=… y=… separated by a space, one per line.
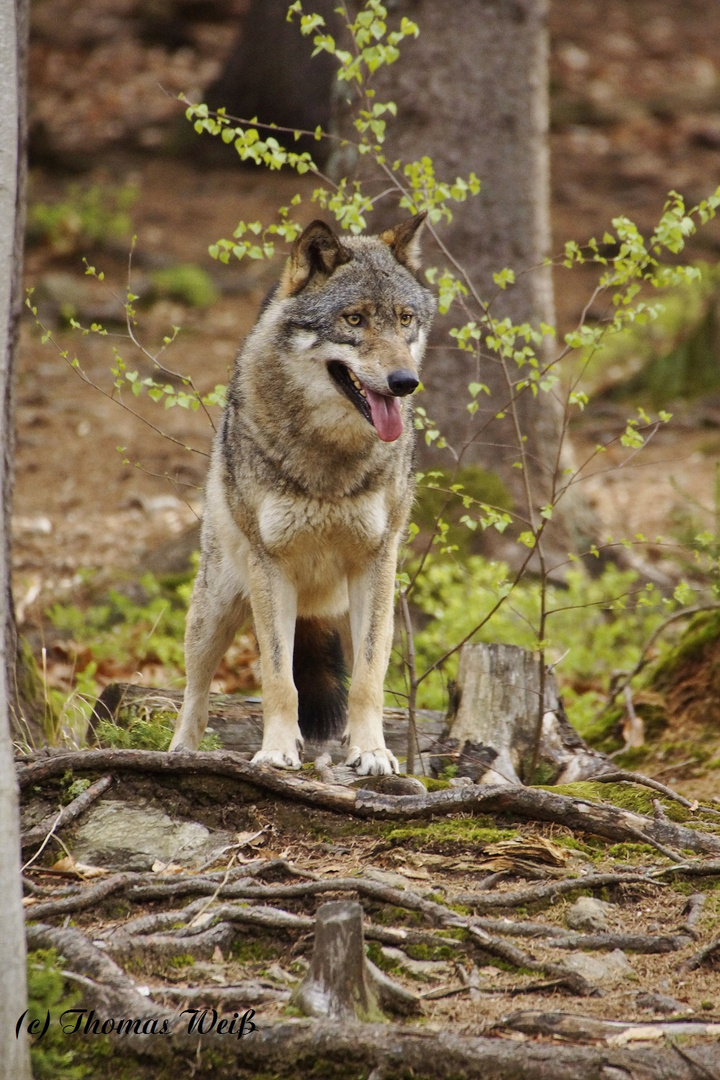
x=402 y=382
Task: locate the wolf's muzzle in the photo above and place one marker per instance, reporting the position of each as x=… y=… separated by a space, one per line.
x=402 y=382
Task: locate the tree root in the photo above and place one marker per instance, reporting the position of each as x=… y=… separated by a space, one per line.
x=512 y=800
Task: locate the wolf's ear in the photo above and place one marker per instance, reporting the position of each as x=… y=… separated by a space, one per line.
x=404 y=241
x=316 y=253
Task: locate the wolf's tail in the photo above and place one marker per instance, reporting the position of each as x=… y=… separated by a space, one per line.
x=321 y=679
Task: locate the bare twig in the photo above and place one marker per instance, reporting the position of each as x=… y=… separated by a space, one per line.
x=708 y=952
x=67 y=813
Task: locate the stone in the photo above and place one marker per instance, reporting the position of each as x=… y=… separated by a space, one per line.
x=590 y=915
x=612 y=968
x=120 y=836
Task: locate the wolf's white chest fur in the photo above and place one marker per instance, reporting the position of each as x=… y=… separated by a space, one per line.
x=321 y=544
x=285 y=520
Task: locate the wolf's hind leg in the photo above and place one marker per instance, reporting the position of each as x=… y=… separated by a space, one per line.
x=216 y=613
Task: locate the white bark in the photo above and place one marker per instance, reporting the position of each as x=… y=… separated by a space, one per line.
x=14 y=1053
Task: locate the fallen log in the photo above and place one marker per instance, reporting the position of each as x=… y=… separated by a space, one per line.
x=237 y=721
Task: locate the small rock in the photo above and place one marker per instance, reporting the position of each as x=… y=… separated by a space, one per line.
x=660 y=1004
x=599 y=969
x=390 y=785
x=386 y=877
x=589 y=914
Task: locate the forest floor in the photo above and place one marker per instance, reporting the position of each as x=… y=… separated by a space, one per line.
x=636 y=105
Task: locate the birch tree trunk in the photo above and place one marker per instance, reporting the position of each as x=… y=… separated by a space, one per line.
x=14 y=1053
x=472 y=92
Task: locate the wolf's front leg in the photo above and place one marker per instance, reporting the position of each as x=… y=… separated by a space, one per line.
x=216 y=612
x=371 y=621
x=274 y=605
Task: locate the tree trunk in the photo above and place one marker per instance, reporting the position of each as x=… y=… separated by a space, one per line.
x=472 y=92
x=14 y=1053
x=270 y=75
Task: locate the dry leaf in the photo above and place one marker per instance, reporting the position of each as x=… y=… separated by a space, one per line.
x=534 y=849
x=70 y=866
x=160 y=867
x=243 y=839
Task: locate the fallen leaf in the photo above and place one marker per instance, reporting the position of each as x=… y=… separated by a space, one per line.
x=256 y=838
x=160 y=867
x=71 y=866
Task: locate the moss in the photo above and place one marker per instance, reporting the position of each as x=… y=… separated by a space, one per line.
x=431 y=952
x=378 y=957
x=257 y=951
x=388 y=915
x=185 y=960
x=433 y=785
x=702 y=631
x=448 y=834
x=625 y=796
x=628 y=851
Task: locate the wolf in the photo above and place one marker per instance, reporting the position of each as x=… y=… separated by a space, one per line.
x=308 y=494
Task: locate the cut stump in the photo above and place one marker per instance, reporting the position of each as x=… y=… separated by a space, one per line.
x=342 y=984
x=491 y=733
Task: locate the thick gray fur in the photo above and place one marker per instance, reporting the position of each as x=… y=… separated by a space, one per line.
x=309 y=491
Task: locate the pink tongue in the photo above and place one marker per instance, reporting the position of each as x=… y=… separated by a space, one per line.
x=386 y=416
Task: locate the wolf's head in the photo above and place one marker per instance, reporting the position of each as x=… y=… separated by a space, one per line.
x=356 y=317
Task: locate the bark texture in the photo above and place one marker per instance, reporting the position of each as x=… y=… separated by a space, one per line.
x=472 y=92
x=14 y=1053
x=337 y=985
x=497 y=720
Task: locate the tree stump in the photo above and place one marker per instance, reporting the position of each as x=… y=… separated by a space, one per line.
x=342 y=984
x=492 y=730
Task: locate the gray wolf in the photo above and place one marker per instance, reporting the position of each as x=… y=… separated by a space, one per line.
x=308 y=495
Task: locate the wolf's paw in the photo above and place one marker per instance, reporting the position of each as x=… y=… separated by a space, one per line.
x=281 y=759
x=378 y=762
x=183 y=745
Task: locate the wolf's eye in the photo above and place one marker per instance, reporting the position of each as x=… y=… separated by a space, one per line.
x=353 y=319
x=406 y=318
